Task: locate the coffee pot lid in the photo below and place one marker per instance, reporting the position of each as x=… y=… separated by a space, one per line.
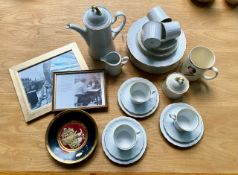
x=177 y=82
x=96 y=17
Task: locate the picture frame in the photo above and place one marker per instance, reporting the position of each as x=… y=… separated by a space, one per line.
x=33 y=79
x=84 y=89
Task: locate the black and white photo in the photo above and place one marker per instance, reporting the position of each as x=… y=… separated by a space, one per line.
x=80 y=89
x=37 y=80
x=33 y=79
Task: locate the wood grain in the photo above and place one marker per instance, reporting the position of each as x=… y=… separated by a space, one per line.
x=32 y=27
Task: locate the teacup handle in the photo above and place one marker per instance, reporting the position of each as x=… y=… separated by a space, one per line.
x=215 y=70
x=173 y=116
x=124 y=60
x=117 y=30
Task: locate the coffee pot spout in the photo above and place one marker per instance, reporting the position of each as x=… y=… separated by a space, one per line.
x=82 y=31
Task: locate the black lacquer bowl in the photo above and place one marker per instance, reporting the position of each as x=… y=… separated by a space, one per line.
x=71 y=136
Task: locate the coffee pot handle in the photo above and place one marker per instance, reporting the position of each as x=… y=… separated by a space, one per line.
x=117 y=30
x=213 y=69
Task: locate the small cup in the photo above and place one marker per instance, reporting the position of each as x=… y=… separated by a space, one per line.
x=140 y=93
x=151 y=34
x=185 y=120
x=158 y=14
x=124 y=137
x=200 y=60
x=171 y=30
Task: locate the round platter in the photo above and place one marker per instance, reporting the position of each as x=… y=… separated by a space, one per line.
x=152 y=64
x=183 y=140
x=71 y=136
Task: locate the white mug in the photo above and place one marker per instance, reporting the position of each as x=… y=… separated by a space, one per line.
x=140 y=92
x=158 y=14
x=185 y=120
x=151 y=34
x=124 y=137
x=170 y=30
x=200 y=60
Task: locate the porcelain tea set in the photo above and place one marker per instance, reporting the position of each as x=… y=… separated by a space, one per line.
x=157 y=44
x=99 y=36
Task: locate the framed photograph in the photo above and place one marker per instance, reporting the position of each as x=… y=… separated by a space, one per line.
x=33 y=79
x=79 y=90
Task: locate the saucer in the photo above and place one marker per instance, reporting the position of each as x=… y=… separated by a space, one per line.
x=178 y=138
x=71 y=136
x=123 y=156
x=157 y=53
x=137 y=110
x=150 y=63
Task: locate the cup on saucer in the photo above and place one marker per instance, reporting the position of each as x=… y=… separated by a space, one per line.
x=185 y=120
x=140 y=92
x=125 y=137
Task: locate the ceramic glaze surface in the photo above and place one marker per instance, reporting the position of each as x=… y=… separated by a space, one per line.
x=173 y=135
x=124 y=137
x=124 y=157
x=200 y=60
x=149 y=63
x=137 y=110
x=98 y=32
x=186 y=120
x=113 y=63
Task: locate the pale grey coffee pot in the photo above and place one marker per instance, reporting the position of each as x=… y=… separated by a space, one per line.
x=97 y=31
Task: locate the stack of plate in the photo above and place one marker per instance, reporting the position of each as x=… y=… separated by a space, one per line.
x=172 y=135
x=161 y=60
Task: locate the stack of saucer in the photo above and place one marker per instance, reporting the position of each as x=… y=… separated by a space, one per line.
x=181 y=125
x=156 y=43
x=124 y=140
x=143 y=108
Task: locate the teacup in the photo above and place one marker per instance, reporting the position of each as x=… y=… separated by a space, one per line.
x=185 y=120
x=140 y=92
x=151 y=34
x=125 y=137
x=158 y=14
x=170 y=30
x=200 y=60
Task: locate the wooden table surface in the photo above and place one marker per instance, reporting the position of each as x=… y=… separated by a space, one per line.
x=29 y=28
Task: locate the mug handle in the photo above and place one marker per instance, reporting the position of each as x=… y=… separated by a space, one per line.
x=116 y=30
x=124 y=60
x=215 y=70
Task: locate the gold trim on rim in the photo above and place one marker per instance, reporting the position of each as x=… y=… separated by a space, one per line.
x=70 y=161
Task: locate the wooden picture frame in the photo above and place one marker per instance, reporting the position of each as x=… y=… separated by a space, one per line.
x=79 y=90
x=33 y=79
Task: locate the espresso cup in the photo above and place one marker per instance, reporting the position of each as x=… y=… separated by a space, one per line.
x=158 y=14
x=185 y=120
x=199 y=61
x=151 y=34
x=124 y=137
x=140 y=92
x=171 y=30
